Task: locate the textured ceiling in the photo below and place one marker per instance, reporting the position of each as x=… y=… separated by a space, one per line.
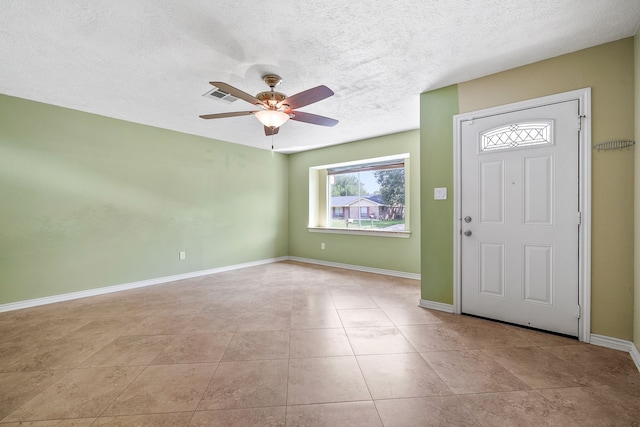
x=149 y=61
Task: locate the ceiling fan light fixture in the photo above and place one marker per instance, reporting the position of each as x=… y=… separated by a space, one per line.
x=272 y=118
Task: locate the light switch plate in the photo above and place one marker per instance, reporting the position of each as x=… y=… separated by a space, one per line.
x=440 y=193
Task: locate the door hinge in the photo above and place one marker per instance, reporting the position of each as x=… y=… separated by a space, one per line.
x=579 y=218
x=580 y=122
x=579 y=311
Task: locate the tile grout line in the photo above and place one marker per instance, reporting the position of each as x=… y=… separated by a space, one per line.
x=286 y=390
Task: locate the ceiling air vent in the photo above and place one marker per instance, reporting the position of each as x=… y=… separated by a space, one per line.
x=220 y=94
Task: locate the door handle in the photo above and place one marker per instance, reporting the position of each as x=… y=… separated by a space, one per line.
x=467 y=233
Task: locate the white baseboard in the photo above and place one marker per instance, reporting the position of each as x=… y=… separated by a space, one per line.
x=133 y=285
x=433 y=305
x=617 y=344
x=357 y=268
x=635 y=355
x=609 y=342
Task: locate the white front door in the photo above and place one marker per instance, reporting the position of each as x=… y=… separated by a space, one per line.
x=519 y=205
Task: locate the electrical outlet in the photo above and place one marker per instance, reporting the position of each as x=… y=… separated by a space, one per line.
x=322 y=246
x=182 y=255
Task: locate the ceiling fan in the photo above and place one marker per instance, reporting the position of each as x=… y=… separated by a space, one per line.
x=275 y=107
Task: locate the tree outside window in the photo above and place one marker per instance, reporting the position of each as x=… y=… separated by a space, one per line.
x=367 y=196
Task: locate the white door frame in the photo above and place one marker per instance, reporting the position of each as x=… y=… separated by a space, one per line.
x=584 y=165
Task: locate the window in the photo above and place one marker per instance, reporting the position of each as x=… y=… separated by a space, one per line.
x=517 y=135
x=363 y=196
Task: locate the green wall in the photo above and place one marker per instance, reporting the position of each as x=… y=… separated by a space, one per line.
x=388 y=253
x=608 y=70
x=437 y=109
x=88 y=201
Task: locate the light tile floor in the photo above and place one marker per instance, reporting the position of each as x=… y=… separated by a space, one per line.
x=297 y=345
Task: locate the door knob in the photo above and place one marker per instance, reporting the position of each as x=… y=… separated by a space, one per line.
x=467 y=233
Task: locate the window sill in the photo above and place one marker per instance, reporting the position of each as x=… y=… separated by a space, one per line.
x=376 y=233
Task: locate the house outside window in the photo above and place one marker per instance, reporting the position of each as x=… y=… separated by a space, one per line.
x=368 y=195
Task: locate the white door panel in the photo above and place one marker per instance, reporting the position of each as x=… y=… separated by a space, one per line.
x=519 y=191
x=491 y=192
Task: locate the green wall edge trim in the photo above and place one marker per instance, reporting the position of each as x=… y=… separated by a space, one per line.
x=173 y=278
x=133 y=285
x=393 y=273
x=434 y=305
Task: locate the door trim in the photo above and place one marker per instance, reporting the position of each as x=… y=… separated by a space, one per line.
x=583 y=96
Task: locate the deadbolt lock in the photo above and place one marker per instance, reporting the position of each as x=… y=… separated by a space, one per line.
x=467 y=219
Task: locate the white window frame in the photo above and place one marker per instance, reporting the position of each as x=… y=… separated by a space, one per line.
x=320 y=206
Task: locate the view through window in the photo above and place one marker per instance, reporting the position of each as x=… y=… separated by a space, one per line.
x=367 y=196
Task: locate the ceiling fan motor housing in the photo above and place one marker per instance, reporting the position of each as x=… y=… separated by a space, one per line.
x=271 y=98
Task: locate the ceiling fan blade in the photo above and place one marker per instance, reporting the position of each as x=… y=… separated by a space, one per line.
x=223 y=115
x=237 y=93
x=307 y=97
x=314 y=119
x=270 y=131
